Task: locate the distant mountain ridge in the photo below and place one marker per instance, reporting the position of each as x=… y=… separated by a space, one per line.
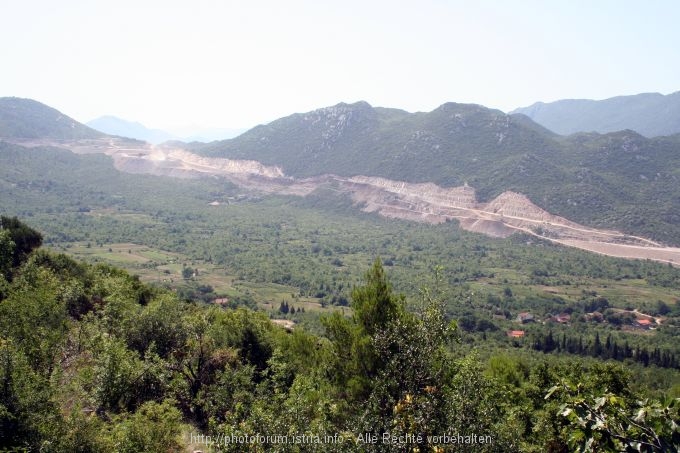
x=649 y=114
x=113 y=125
x=26 y=118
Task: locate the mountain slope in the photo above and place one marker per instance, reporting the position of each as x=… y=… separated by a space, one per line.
x=649 y=114
x=26 y=118
x=447 y=146
x=116 y=126
x=620 y=180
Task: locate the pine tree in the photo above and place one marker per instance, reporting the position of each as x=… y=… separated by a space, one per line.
x=608 y=346
x=283 y=308
x=549 y=343
x=596 y=350
x=374 y=304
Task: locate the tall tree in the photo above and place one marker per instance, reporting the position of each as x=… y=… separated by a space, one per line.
x=25 y=238
x=374 y=304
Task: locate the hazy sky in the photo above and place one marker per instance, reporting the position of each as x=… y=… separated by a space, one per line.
x=239 y=63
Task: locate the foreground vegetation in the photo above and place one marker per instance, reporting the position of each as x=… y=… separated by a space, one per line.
x=92 y=359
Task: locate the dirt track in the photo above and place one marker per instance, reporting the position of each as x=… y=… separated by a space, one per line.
x=664 y=254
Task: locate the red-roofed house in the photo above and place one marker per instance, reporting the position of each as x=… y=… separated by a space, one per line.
x=643 y=323
x=515 y=333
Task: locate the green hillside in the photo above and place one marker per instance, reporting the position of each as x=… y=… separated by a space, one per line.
x=26 y=118
x=447 y=146
x=619 y=180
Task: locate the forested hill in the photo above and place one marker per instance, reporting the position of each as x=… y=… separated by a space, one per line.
x=26 y=118
x=649 y=114
x=454 y=143
x=620 y=180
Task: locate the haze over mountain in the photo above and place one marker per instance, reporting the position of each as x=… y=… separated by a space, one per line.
x=117 y=126
x=649 y=114
x=205 y=134
x=113 y=125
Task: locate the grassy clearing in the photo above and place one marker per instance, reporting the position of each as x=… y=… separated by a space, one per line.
x=128 y=216
x=118 y=252
x=163 y=267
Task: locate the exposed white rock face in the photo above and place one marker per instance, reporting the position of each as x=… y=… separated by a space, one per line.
x=424 y=192
x=513 y=204
x=216 y=165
